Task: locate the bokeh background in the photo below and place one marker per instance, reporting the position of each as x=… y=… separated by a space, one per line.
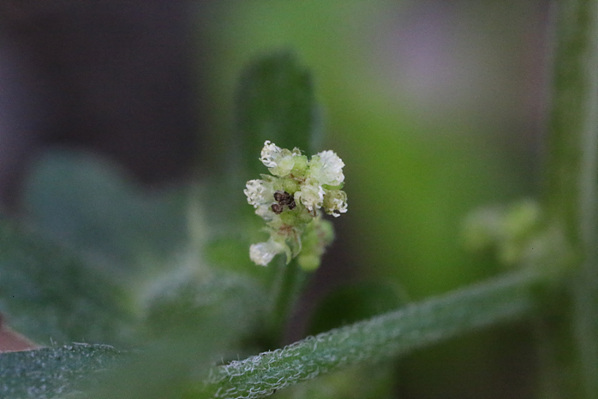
x=436 y=107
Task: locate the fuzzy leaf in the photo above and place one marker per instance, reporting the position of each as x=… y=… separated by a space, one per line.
x=51 y=372
x=383 y=337
x=51 y=295
x=89 y=203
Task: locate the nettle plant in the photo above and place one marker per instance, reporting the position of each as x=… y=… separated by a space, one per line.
x=192 y=315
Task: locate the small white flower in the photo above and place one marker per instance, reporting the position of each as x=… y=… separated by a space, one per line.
x=327 y=168
x=335 y=202
x=263 y=252
x=339 y=207
x=311 y=196
x=279 y=161
x=258 y=192
x=289 y=199
x=270 y=153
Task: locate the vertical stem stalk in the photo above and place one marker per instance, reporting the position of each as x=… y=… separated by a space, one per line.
x=572 y=192
x=286 y=289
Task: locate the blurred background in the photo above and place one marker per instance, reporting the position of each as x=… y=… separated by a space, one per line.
x=436 y=107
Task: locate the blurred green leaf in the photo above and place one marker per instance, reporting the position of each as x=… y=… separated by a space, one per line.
x=95 y=234
x=360 y=382
x=196 y=321
x=354 y=302
x=162 y=370
x=186 y=301
x=90 y=205
x=51 y=372
x=275 y=101
x=51 y=295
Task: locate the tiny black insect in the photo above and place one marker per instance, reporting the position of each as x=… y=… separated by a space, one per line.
x=283 y=198
x=277 y=208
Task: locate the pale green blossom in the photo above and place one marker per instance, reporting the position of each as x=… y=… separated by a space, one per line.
x=311 y=195
x=336 y=203
x=279 y=161
x=259 y=193
x=327 y=168
x=291 y=201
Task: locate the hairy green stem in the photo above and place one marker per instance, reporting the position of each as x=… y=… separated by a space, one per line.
x=572 y=190
x=286 y=289
x=509 y=297
x=572 y=150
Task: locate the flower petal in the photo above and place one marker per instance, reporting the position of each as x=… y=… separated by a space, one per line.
x=279 y=161
x=327 y=168
x=263 y=252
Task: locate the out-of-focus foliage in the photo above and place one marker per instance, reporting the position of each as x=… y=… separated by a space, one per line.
x=275 y=102
x=46 y=372
x=87 y=203
x=51 y=295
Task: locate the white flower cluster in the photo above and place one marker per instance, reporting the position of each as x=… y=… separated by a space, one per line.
x=290 y=200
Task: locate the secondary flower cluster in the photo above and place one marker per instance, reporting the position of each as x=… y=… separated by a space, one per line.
x=290 y=200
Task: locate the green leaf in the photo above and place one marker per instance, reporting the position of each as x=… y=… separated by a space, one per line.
x=275 y=101
x=396 y=333
x=51 y=295
x=187 y=300
x=161 y=370
x=51 y=372
x=360 y=382
x=354 y=302
x=89 y=204
x=197 y=321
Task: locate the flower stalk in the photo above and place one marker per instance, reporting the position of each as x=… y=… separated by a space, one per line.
x=572 y=194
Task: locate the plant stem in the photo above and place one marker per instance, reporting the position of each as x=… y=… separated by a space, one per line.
x=286 y=289
x=509 y=297
x=572 y=192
